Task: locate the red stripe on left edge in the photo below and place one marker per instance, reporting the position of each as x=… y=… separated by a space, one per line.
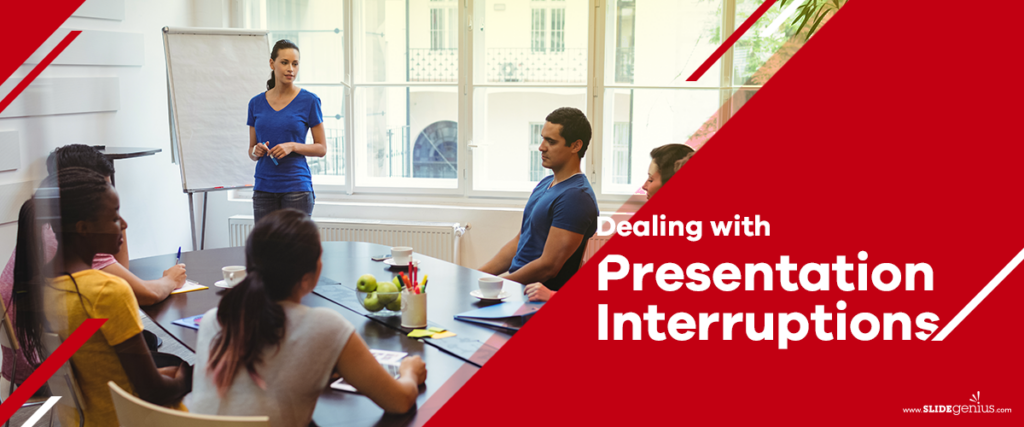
x=49 y=367
x=38 y=69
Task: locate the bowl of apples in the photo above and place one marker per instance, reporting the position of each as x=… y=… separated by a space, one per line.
x=379 y=298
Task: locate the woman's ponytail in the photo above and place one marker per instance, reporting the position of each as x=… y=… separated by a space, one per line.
x=251 y=320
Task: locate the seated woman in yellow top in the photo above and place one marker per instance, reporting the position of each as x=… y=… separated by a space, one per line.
x=89 y=223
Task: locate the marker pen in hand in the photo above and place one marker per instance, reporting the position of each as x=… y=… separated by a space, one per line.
x=267 y=144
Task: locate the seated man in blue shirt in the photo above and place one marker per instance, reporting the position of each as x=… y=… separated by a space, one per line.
x=560 y=216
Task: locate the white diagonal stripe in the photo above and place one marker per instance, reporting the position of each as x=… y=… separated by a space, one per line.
x=981 y=296
x=41 y=411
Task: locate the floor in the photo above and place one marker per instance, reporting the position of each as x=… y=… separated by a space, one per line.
x=170 y=345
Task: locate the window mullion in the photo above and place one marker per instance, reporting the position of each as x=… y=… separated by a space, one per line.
x=728 y=26
x=349 y=95
x=465 y=164
x=595 y=94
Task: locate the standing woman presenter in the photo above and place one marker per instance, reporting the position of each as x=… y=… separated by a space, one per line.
x=279 y=120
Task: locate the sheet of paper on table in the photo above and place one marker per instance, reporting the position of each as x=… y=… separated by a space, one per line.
x=390 y=360
x=189 y=286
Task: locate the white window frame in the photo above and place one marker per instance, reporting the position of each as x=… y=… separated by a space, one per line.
x=464 y=194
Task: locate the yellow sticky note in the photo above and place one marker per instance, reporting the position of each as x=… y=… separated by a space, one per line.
x=436 y=329
x=420 y=333
x=442 y=335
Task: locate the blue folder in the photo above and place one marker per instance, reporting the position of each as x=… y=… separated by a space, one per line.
x=510 y=316
x=189 y=322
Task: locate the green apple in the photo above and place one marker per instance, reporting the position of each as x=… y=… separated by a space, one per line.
x=396 y=305
x=397 y=281
x=387 y=292
x=366 y=283
x=373 y=303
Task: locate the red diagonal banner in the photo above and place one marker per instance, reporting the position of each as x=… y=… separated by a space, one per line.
x=843 y=159
x=27 y=25
x=38 y=69
x=49 y=367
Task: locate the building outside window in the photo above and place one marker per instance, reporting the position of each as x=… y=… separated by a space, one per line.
x=539 y=30
x=542 y=29
x=443 y=25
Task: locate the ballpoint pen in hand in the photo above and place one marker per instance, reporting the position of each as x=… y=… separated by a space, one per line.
x=178 y=259
x=267 y=144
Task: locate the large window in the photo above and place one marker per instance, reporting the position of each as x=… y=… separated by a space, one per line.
x=401 y=89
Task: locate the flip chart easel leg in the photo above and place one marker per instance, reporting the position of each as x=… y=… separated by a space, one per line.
x=192 y=218
x=202 y=238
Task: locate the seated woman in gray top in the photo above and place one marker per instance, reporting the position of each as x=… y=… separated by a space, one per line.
x=262 y=352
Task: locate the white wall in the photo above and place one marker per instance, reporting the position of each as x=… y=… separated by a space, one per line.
x=150 y=187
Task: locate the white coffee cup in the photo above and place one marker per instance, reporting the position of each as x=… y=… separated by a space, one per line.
x=490 y=287
x=401 y=255
x=233 y=274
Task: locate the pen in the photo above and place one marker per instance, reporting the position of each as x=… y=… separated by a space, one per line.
x=178 y=259
x=267 y=144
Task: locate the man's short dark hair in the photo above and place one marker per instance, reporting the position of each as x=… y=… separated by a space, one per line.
x=78 y=155
x=575 y=126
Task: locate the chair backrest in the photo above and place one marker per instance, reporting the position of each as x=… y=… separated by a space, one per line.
x=7 y=338
x=63 y=382
x=135 y=412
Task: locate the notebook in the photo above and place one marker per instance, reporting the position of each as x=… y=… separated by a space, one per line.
x=509 y=316
x=390 y=360
x=189 y=286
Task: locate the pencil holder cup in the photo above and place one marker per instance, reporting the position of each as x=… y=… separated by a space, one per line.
x=414 y=310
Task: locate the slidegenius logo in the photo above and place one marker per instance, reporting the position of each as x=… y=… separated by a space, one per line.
x=976 y=407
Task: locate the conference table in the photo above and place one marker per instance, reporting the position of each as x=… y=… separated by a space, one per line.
x=450 y=362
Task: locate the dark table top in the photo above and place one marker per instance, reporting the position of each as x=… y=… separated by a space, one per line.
x=343 y=262
x=446 y=373
x=448 y=294
x=115 y=153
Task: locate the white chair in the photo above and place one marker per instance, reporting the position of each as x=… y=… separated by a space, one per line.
x=135 y=412
x=9 y=340
x=63 y=382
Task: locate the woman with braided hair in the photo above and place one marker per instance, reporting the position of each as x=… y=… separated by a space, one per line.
x=16 y=369
x=58 y=297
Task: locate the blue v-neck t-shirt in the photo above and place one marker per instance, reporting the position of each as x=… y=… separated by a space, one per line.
x=291 y=124
x=570 y=205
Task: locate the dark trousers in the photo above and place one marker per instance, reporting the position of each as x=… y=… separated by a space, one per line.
x=264 y=203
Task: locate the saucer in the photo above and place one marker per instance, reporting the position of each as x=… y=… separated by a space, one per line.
x=500 y=296
x=391 y=262
x=222 y=284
